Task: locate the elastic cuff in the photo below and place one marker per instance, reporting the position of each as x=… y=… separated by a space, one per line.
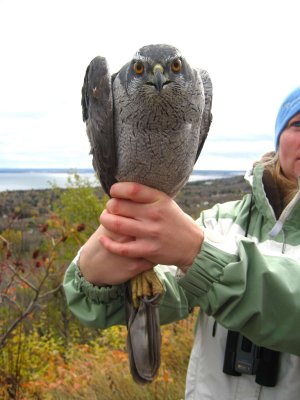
x=207 y=269
x=96 y=294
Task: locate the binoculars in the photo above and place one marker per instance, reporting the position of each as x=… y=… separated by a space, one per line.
x=244 y=357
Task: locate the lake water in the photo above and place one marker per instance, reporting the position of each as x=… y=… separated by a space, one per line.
x=44 y=179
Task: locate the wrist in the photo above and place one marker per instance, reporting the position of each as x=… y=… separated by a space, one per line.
x=194 y=249
x=185 y=268
x=84 y=263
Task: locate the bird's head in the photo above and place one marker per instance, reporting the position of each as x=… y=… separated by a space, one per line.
x=157 y=67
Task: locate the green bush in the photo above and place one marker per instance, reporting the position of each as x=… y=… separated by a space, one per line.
x=45 y=353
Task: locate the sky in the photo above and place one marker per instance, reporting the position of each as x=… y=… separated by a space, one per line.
x=249 y=48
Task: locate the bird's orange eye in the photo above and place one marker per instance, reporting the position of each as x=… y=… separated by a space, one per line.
x=176 y=65
x=138 y=67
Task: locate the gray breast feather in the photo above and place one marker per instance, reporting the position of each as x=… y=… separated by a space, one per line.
x=149 y=136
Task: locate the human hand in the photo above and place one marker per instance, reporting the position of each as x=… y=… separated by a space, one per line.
x=102 y=267
x=160 y=231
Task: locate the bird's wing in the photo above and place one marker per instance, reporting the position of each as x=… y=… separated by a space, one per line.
x=207 y=115
x=97 y=112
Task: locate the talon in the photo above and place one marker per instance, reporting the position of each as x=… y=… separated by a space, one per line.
x=146 y=285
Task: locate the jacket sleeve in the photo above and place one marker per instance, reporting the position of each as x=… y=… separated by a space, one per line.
x=102 y=307
x=95 y=307
x=245 y=290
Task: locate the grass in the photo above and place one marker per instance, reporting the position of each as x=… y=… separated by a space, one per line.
x=93 y=371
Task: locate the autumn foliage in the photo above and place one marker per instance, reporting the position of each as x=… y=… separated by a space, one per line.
x=45 y=353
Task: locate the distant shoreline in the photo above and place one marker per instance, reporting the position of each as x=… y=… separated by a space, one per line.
x=90 y=171
x=44 y=178
x=194 y=197
x=47 y=170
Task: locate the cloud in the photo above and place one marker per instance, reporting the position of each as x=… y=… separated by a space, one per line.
x=47 y=46
x=23 y=114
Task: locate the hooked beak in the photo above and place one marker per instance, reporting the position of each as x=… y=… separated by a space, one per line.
x=159 y=78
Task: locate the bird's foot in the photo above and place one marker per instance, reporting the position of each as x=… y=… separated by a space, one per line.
x=146 y=287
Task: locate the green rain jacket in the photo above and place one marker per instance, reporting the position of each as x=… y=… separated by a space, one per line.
x=249 y=284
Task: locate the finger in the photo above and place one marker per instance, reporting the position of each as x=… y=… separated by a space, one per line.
x=130 y=249
x=122 y=225
x=135 y=192
x=126 y=208
x=118 y=238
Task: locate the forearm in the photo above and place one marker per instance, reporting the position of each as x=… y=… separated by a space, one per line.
x=101 y=307
x=100 y=267
x=97 y=307
x=248 y=292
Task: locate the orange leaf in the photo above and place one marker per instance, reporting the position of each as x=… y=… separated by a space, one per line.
x=166 y=376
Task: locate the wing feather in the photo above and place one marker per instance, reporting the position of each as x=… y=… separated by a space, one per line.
x=97 y=112
x=207 y=115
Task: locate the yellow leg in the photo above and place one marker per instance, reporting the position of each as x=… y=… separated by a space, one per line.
x=146 y=284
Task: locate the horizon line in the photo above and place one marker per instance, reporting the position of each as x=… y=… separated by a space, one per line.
x=91 y=170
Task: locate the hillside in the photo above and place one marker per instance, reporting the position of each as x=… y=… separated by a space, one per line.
x=195 y=196
x=45 y=351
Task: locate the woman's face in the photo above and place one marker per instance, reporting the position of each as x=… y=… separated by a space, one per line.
x=289 y=148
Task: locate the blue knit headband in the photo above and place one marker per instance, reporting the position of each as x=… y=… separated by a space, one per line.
x=289 y=108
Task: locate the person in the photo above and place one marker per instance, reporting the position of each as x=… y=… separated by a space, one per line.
x=240 y=262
